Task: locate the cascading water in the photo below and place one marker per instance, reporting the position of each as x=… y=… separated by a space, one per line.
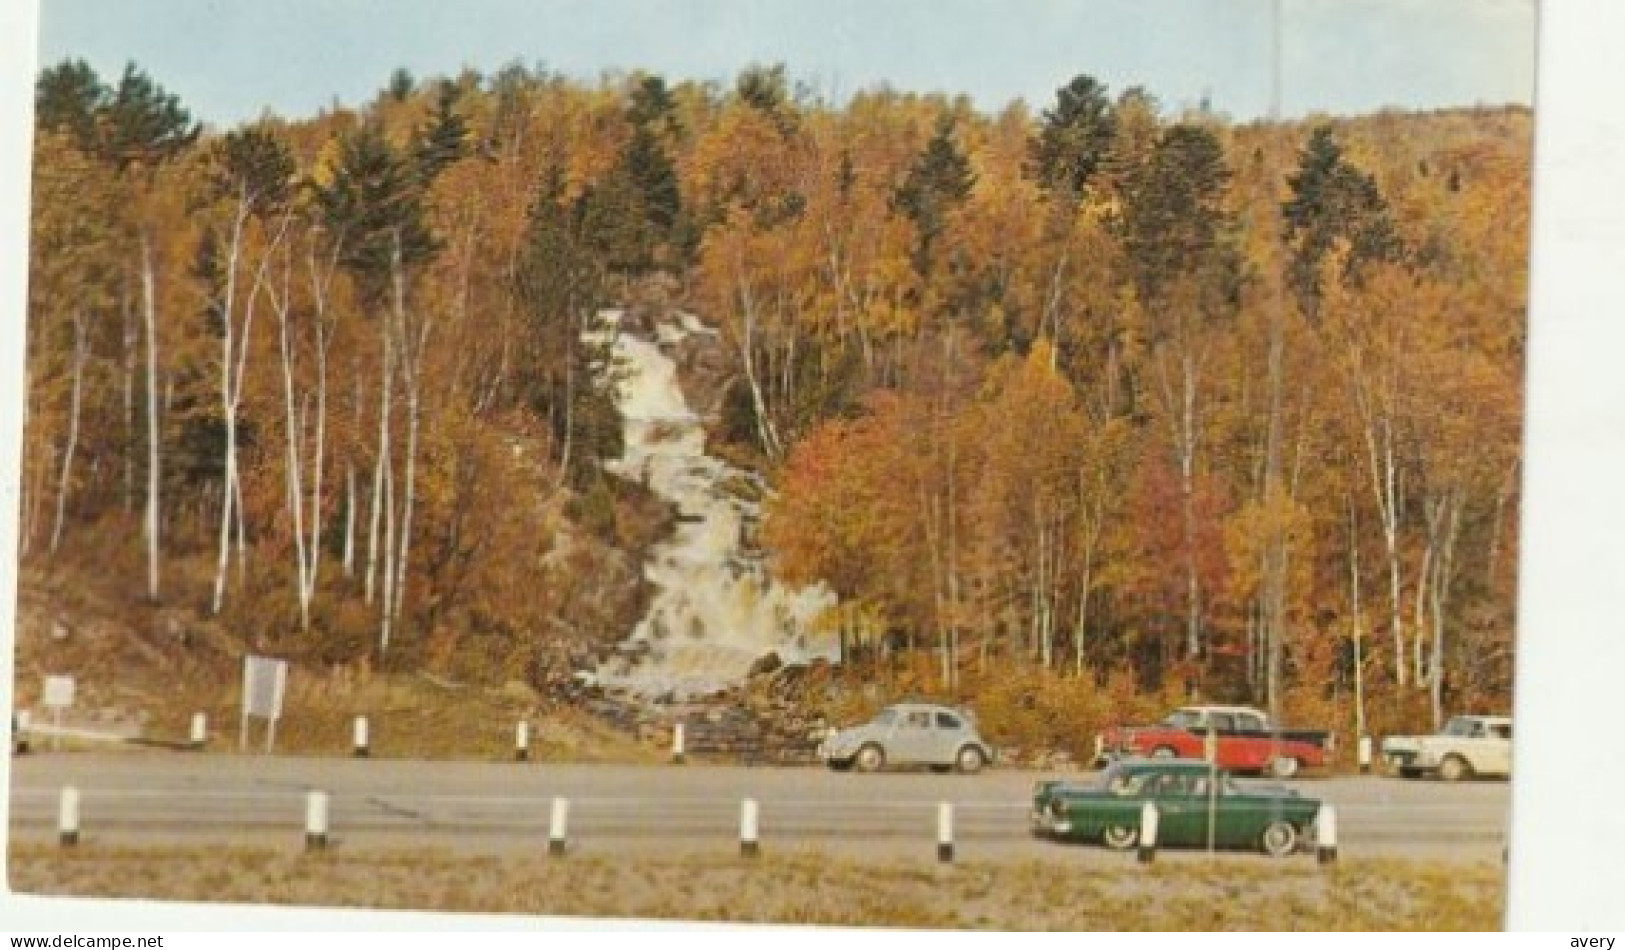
x=715 y=611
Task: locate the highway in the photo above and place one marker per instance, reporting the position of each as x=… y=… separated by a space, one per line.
x=192 y=799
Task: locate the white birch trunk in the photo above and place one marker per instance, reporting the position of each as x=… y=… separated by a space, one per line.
x=412 y=374
x=81 y=345
x=149 y=309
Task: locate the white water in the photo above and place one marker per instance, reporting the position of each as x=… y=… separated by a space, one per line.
x=715 y=609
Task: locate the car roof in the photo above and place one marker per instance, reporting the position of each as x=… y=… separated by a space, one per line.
x=1162 y=765
x=1226 y=709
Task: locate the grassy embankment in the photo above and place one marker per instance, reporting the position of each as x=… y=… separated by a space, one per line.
x=803 y=889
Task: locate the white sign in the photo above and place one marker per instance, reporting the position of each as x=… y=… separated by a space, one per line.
x=58 y=692
x=264 y=681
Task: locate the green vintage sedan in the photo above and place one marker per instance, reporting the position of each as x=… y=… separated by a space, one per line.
x=1194 y=801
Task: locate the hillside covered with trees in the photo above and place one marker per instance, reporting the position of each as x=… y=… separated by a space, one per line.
x=1072 y=404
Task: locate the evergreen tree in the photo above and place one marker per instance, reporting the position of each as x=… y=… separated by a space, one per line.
x=68 y=97
x=143 y=124
x=653 y=106
x=561 y=283
x=254 y=166
x=1075 y=137
x=373 y=202
x=1175 y=221
x=444 y=140
x=1333 y=202
x=939 y=180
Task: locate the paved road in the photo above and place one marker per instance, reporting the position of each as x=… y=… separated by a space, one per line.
x=190 y=798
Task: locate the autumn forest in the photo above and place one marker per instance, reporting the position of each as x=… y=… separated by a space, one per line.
x=1083 y=401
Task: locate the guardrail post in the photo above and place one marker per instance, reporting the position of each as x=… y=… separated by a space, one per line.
x=19 y=730
x=359 y=746
x=945 y=832
x=315 y=821
x=1365 y=755
x=558 y=827
x=1148 y=833
x=67 y=817
x=1326 y=835
x=199 y=734
x=521 y=742
x=750 y=844
x=677 y=753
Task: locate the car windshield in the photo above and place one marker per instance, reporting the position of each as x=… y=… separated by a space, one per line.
x=885 y=717
x=1184 y=719
x=1459 y=726
x=1123 y=784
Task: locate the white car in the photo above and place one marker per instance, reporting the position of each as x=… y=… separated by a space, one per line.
x=1467 y=746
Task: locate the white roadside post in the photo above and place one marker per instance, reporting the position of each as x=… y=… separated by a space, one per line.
x=677 y=753
x=315 y=821
x=558 y=827
x=1148 y=833
x=521 y=742
x=19 y=730
x=67 y=817
x=199 y=734
x=359 y=738
x=1326 y=835
x=1365 y=755
x=750 y=843
x=945 y=832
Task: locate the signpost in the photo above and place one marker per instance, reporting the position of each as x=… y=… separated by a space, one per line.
x=264 y=682
x=58 y=696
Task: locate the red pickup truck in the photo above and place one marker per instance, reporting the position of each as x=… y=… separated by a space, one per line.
x=1243 y=737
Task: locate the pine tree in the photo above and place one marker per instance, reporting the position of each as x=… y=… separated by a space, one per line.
x=939 y=180
x=372 y=204
x=68 y=97
x=1075 y=137
x=1333 y=202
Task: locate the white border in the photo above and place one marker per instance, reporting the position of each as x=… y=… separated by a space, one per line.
x=1569 y=810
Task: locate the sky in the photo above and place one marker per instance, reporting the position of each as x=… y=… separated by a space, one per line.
x=230 y=61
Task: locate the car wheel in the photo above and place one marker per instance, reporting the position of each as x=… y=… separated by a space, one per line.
x=1120 y=837
x=1280 y=839
x=1163 y=752
x=870 y=758
x=970 y=760
x=1284 y=766
x=1454 y=768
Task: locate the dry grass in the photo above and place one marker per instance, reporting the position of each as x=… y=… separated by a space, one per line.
x=793 y=888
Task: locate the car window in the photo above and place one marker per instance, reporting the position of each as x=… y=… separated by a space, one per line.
x=1184 y=719
x=1170 y=785
x=947 y=721
x=1501 y=731
x=1224 y=722
x=1459 y=727
x=1250 y=722
x=1127 y=786
x=918 y=720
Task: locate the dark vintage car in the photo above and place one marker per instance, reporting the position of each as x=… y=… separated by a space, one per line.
x=1194 y=800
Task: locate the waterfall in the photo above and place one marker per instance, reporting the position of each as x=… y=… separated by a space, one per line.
x=715 y=610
